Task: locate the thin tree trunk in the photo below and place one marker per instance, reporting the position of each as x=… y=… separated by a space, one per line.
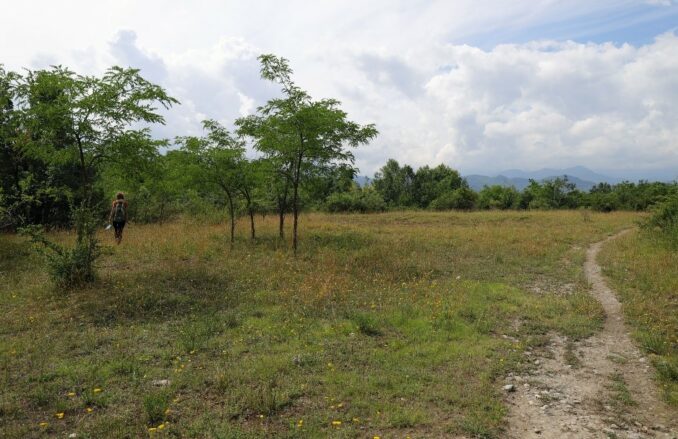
x=281 y=223
x=295 y=205
x=295 y=210
x=282 y=207
x=252 y=223
x=83 y=173
x=232 y=213
x=250 y=211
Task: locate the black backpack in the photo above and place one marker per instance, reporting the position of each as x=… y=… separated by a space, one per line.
x=119 y=213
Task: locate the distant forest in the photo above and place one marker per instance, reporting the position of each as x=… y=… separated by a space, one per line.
x=68 y=140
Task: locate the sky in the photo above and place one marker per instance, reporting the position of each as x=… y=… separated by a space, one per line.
x=479 y=85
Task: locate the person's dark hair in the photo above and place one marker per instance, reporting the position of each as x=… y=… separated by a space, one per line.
x=119 y=196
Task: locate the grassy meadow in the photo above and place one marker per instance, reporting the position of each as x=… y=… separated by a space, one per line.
x=644 y=272
x=392 y=325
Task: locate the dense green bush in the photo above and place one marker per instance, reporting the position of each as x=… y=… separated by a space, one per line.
x=462 y=198
x=358 y=200
x=498 y=197
x=147 y=206
x=603 y=201
x=75 y=266
x=665 y=219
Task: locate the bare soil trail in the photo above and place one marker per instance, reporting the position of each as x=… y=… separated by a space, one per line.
x=600 y=387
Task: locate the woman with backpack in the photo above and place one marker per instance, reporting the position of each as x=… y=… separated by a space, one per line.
x=118 y=216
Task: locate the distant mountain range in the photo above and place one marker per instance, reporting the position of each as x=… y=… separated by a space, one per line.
x=581 y=176
x=477 y=182
x=580 y=172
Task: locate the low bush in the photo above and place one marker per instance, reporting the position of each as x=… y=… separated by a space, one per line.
x=75 y=266
x=664 y=219
x=462 y=198
x=358 y=201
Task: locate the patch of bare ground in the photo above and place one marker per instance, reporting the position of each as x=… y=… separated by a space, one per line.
x=600 y=387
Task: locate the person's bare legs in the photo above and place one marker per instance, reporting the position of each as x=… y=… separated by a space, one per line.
x=118 y=233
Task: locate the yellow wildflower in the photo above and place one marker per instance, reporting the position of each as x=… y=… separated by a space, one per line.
x=59 y=415
x=161 y=426
x=336 y=423
x=71 y=394
x=89 y=409
x=43 y=424
x=152 y=430
x=96 y=390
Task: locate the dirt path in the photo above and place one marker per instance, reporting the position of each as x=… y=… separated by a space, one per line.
x=598 y=388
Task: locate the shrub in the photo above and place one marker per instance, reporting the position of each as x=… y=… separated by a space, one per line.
x=155 y=406
x=71 y=267
x=367 y=324
x=604 y=202
x=358 y=200
x=462 y=198
x=498 y=197
x=665 y=219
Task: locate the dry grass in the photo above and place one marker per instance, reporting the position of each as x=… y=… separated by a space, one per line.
x=391 y=324
x=644 y=271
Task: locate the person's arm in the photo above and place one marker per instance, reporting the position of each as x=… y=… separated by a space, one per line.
x=110 y=215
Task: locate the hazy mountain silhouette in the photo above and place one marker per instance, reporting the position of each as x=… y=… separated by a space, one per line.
x=583 y=177
x=580 y=172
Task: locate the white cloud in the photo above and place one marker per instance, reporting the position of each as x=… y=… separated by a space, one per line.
x=562 y=104
x=400 y=64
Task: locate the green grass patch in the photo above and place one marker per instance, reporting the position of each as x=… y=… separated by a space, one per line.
x=384 y=325
x=644 y=272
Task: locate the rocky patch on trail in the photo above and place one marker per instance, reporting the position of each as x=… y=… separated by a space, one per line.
x=600 y=387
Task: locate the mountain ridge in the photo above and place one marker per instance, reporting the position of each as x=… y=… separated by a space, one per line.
x=583 y=178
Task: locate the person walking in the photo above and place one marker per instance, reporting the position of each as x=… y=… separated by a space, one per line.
x=118 y=216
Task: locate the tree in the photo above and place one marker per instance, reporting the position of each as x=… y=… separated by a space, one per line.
x=498 y=197
x=431 y=183
x=221 y=159
x=395 y=184
x=463 y=198
x=85 y=122
x=248 y=181
x=88 y=120
x=10 y=162
x=556 y=193
x=298 y=134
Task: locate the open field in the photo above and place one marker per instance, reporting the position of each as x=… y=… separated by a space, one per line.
x=644 y=272
x=390 y=325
